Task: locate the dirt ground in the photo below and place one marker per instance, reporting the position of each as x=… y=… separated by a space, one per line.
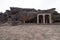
x=30 y=32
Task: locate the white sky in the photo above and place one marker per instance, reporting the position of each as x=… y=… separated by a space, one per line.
x=37 y=4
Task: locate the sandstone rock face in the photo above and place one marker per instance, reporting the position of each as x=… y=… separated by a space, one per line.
x=30 y=32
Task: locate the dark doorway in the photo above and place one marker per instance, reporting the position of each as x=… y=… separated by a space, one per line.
x=33 y=20
x=40 y=18
x=47 y=19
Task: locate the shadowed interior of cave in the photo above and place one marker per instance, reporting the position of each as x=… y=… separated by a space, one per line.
x=34 y=20
x=57 y=21
x=40 y=19
x=46 y=18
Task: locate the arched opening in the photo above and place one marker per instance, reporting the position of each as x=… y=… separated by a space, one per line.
x=46 y=18
x=40 y=18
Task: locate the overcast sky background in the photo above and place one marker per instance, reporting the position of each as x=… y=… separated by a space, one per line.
x=37 y=4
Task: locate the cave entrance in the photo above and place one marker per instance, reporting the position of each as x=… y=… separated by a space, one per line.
x=33 y=20
x=47 y=19
x=40 y=19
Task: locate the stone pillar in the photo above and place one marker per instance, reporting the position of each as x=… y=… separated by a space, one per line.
x=43 y=19
x=50 y=19
x=37 y=19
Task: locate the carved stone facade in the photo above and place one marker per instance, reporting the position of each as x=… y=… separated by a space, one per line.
x=44 y=18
